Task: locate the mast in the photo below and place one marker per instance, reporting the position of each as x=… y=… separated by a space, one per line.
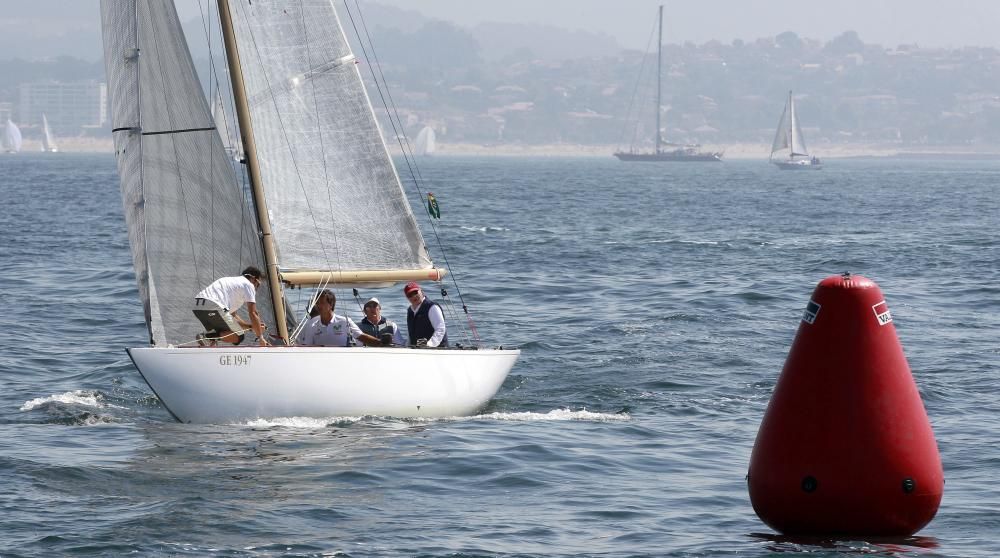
x=250 y=154
x=659 y=79
x=791 y=124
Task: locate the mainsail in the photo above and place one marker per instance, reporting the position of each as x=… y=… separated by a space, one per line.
x=48 y=144
x=189 y=221
x=425 y=142
x=12 y=138
x=333 y=196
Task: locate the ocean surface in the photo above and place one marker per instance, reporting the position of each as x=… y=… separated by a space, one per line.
x=654 y=304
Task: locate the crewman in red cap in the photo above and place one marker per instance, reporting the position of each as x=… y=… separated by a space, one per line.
x=424 y=319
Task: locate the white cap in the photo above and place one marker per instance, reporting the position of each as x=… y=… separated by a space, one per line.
x=371 y=300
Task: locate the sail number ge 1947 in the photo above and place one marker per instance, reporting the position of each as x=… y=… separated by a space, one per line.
x=234 y=360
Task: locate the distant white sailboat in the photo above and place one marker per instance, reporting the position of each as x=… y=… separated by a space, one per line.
x=790 y=144
x=426 y=141
x=48 y=144
x=11 y=138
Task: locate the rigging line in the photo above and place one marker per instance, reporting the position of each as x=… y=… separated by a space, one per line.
x=450 y=305
x=214 y=80
x=322 y=148
x=635 y=93
x=406 y=148
x=211 y=189
x=388 y=91
x=214 y=75
x=147 y=310
x=240 y=177
x=284 y=132
x=294 y=335
x=177 y=165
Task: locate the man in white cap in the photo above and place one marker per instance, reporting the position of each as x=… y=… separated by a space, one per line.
x=382 y=331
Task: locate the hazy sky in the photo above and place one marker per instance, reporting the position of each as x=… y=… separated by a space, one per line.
x=52 y=27
x=888 y=22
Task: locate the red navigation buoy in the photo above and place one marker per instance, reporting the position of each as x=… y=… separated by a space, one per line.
x=845 y=446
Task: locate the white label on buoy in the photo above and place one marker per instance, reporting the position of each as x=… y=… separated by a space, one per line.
x=812 y=310
x=882 y=313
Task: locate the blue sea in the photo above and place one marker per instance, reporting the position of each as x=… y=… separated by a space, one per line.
x=654 y=304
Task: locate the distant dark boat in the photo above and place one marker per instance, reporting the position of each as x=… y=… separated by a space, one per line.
x=684 y=154
x=674 y=152
x=790 y=144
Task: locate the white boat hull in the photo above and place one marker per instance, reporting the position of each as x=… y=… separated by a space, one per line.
x=233 y=384
x=798 y=164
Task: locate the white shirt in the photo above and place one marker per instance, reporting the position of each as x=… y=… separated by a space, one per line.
x=230 y=292
x=436 y=316
x=334 y=334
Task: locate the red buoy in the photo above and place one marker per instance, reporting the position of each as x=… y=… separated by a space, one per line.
x=845 y=446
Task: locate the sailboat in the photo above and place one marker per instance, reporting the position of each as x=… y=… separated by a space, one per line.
x=790 y=144
x=319 y=176
x=48 y=144
x=425 y=142
x=673 y=152
x=11 y=138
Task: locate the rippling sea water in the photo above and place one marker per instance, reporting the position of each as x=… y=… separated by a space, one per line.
x=655 y=305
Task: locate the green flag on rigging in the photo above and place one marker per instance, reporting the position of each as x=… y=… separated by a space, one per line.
x=432 y=206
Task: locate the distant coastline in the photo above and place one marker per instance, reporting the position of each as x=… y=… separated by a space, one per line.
x=733 y=151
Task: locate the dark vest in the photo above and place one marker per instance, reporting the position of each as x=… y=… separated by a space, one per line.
x=375 y=330
x=419 y=325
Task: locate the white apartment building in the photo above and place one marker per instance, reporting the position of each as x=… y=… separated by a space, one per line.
x=70 y=107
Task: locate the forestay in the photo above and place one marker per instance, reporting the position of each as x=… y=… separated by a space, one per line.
x=188 y=219
x=333 y=196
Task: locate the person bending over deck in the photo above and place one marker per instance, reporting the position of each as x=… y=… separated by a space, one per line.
x=327 y=329
x=216 y=306
x=424 y=319
x=382 y=331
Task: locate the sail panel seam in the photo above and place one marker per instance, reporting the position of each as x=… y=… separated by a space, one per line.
x=184 y=131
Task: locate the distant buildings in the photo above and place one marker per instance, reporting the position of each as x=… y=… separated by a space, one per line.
x=72 y=108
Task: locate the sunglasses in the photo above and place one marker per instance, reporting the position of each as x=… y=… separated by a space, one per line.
x=412 y=294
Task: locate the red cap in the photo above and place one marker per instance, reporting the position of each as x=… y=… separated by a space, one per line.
x=410 y=287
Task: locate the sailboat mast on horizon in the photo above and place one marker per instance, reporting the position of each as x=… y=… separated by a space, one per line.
x=680 y=153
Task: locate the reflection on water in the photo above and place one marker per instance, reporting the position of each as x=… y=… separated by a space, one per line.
x=878 y=546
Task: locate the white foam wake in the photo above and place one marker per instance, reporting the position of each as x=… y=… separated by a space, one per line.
x=554 y=415
x=485 y=229
x=303 y=422
x=79 y=397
